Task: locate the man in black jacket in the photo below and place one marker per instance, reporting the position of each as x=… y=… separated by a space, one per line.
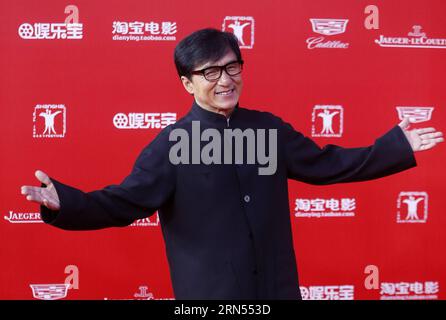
x=224 y=211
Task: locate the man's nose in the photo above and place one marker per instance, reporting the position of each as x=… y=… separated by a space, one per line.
x=225 y=78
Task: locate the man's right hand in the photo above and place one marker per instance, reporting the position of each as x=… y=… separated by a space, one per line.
x=43 y=196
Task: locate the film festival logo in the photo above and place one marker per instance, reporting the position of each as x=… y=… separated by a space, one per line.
x=327 y=121
x=412 y=207
x=144 y=31
x=414 y=39
x=49 y=121
x=415 y=114
x=135 y=120
x=242 y=28
x=56 y=291
x=153 y=221
x=338 y=292
x=71 y=29
x=327 y=27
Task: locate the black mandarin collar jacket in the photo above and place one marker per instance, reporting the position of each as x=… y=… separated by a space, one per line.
x=226 y=228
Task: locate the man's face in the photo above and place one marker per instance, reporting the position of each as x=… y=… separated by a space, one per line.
x=219 y=96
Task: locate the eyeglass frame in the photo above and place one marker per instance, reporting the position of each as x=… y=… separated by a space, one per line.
x=201 y=72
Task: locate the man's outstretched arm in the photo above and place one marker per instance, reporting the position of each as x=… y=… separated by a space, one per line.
x=139 y=195
x=391 y=153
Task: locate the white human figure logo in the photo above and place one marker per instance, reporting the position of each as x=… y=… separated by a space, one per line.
x=238 y=30
x=412 y=205
x=49 y=120
x=327 y=120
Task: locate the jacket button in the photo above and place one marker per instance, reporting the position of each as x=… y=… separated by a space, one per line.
x=247 y=198
x=250 y=235
x=254 y=272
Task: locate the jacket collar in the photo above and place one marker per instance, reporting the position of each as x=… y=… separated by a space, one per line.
x=212 y=117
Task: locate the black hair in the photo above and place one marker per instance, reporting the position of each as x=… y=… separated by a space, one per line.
x=202 y=46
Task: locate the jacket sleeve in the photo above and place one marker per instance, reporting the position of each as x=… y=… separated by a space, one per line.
x=307 y=162
x=148 y=186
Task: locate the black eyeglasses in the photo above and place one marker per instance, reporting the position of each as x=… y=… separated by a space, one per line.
x=214 y=73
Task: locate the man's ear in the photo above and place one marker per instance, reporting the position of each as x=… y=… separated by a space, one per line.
x=188 y=85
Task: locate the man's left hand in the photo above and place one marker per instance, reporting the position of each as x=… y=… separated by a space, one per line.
x=423 y=138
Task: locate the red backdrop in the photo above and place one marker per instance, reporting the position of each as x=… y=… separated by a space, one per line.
x=361 y=62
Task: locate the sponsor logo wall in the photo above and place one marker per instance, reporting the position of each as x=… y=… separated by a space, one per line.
x=82 y=96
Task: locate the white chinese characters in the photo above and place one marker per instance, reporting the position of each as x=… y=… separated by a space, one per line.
x=342 y=292
x=51 y=31
x=318 y=208
x=426 y=290
x=144 y=120
x=145 y=31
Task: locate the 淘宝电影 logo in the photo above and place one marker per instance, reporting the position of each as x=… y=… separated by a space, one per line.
x=325 y=208
x=144 y=31
x=71 y=29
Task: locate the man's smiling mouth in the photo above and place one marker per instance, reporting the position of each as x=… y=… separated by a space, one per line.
x=225 y=93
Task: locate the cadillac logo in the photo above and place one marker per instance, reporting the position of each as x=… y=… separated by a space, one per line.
x=329 y=27
x=49 y=291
